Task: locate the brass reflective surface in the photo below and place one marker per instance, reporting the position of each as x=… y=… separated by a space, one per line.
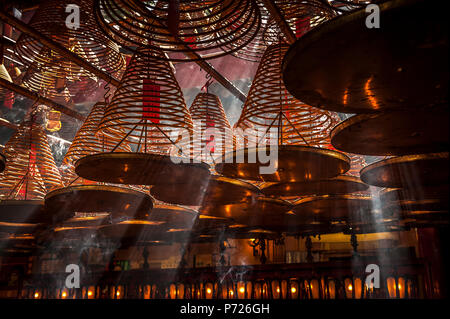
x=336 y=185
x=24 y=211
x=140 y=169
x=349 y=208
x=99 y=198
x=395 y=66
x=415 y=131
x=409 y=171
x=294 y=163
x=218 y=190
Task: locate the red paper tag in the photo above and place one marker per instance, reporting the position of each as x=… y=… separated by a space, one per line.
x=302 y=26
x=150 y=101
x=210 y=143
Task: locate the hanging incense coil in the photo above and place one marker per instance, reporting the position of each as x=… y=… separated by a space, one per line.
x=5 y=95
x=87 y=142
x=180 y=26
x=271 y=116
x=270 y=106
x=81 y=195
x=31 y=170
x=253 y=50
x=301 y=16
x=148 y=105
x=49 y=72
x=148 y=113
x=213 y=135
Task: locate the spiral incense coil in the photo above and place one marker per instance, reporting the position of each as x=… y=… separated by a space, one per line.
x=301 y=16
x=148 y=106
x=31 y=170
x=254 y=50
x=357 y=163
x=87 y=142
x=213 y=135
x=180 y=26
x=5 y=95
x=269 y=106
x=49 y=72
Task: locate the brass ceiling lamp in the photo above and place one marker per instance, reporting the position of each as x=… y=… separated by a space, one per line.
x=30 y=173
x=148 y=113
x=52 y=74
x=190 y=27
x=83 y=196
x=271 y=116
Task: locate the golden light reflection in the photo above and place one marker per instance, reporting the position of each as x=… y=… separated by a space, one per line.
x=370 y=95
x=345 y=97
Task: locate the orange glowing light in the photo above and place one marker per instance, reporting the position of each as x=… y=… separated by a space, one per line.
x=36 y=295
x=242 y=290
x=345 y=97
x=231 y=292
x=293 y=290
x=118 y=293
x=350 y=287
x=370 y=94
x=89 y=293
x=64 y=294
x=208 y=291
x=278 y=289
x=53 y=121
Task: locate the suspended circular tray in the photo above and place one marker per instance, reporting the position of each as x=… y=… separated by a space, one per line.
x=344 y=66
x=349 y=208
x=207 y=222
x=409 y=171
x=218 y=190
x=434 y=198
x=173 y=216
x=17 y=241
x=419 y=219
x=255 y=233
x=19 y=228
x=238 y=211
x=337 y=185
x=415 y=131
x=26 y=211
x=130 y=231
x=293 y=163
x=2 y=162
x=81 y=233
x=99 y=198
x=377 y=226
x=87 y=220
x=16 y=245
x=141 y=169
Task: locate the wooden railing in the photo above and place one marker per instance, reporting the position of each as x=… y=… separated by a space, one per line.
x=325 y=280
